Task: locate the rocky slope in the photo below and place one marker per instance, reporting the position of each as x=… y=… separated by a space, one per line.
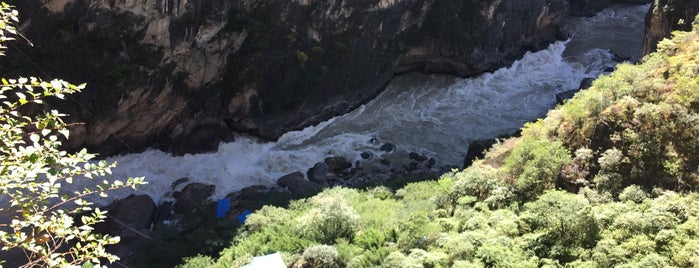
x=181 y=74
x=666 y=16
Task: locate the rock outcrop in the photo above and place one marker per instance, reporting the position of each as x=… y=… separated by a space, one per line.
x=588 y=8
x=182 y=74
x=666 y=16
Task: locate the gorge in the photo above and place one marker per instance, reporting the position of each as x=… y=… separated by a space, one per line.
x=441 y=113
x=190 y=110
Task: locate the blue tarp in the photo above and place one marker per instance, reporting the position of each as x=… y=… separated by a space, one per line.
x=244 y=215
x=222 y=207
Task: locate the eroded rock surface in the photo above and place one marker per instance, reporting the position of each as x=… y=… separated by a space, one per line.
x=666 y=16
x=182 y=74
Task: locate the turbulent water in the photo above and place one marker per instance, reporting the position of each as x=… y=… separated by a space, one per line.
x=437 y=116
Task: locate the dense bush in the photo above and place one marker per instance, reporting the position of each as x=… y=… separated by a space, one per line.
x=624 y=151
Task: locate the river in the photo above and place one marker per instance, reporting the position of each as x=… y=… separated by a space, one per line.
x=434 y=115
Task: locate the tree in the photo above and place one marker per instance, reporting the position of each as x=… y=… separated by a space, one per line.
x=51 y=225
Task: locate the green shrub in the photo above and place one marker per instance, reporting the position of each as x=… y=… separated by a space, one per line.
x=371 y=239
x=331 y=217
x=565 y=224
x=198 y=261
x=534 y=165
x=321 y=256
x=633 y=193
x=267 y=217
x=478 y=181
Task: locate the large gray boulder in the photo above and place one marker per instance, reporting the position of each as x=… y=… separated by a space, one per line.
x=298 y=185
x=130 y=219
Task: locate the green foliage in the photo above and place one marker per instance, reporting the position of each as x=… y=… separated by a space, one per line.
x=535 y=164
x=564 y=225
x=321 y=256
x=331 y=217
x=52 y=225
x=633 y=131
x=633 y=193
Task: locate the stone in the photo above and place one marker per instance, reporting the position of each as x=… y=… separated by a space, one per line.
x=254 y=197
x=562 y=96
x=179 y=182
x=130 y=219
x=337 y=163
x=417 y=157
x=586 y=83
x=298 y=185
x=203 y=138
x=321 y=174
x=476 y=149
x=193 y=199
x=164 y=213
x=388 y=147
x=431 y=162
x=134 y=211
x=366 y=155
x=620 y=58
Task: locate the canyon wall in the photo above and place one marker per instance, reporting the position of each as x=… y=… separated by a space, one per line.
x=182 y=75
x=666 y=16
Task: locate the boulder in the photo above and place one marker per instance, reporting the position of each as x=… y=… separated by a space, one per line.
x=586 y=83
x=164 y=213
x=130 y=219
x=193 y=199
x=254 y=197
x=298 y=185
x=431 y=162
x=476 y=149
x=620 y=57
x=388 y=147
x=417 y=157
x=562 y=96
x=321 y=174
x=337 y=163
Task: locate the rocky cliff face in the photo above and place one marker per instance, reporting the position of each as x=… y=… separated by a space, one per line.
x=182 y=74
x=666 y=16
x=587 y=8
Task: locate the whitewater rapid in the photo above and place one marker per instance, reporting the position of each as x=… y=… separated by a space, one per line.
x=434 y=115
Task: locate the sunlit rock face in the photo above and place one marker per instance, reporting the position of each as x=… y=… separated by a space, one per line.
x=666 y=16
x=181 y=75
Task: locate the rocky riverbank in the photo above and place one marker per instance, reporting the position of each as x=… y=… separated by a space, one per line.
x=192 y=205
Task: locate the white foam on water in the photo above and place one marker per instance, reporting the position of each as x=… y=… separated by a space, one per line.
x=434 y=115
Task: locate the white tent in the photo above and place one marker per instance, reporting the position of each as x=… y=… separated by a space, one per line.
x=267 y=261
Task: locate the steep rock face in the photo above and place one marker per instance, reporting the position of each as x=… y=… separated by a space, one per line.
x=183 y=74
x=587 y=8
x=666 y=16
